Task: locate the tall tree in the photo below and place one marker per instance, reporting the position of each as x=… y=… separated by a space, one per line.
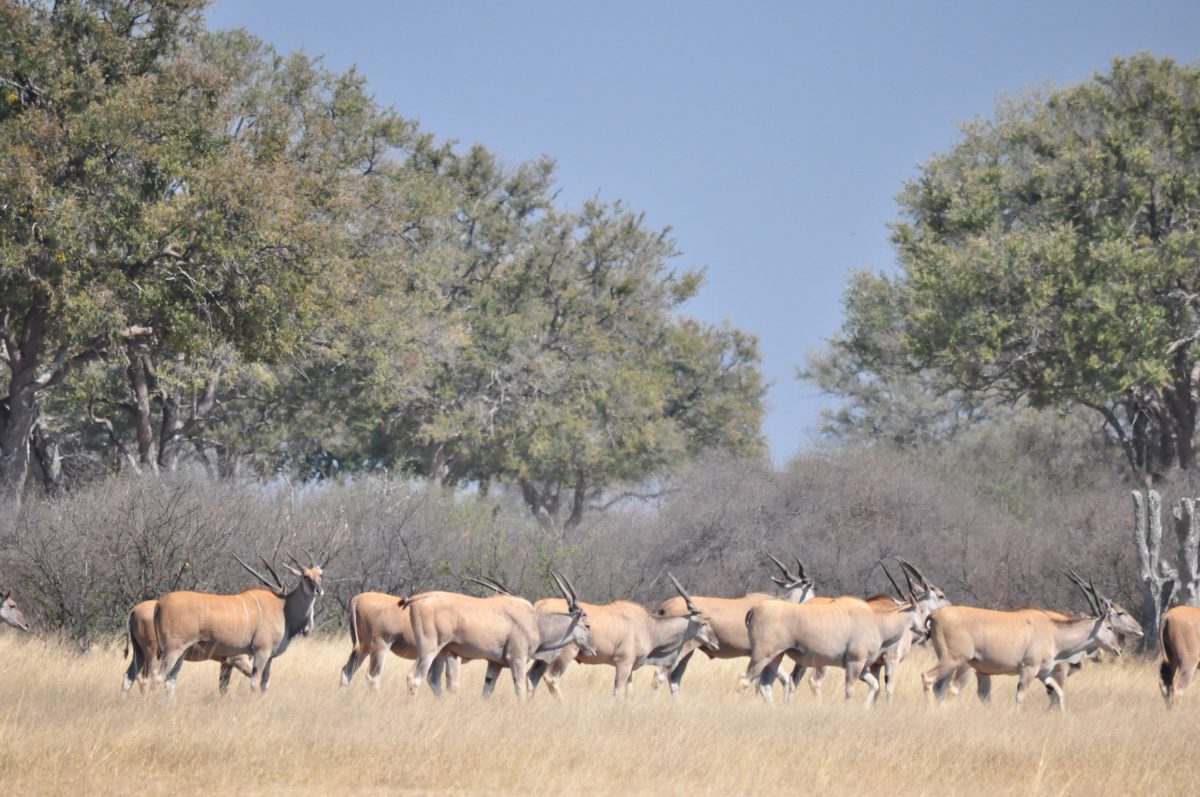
x=1051 y=256
x=153 y=201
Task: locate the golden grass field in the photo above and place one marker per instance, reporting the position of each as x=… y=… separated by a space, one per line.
x=64 y=730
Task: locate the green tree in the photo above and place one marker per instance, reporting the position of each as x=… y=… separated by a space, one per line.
x=156 y=202
x=1051 y=256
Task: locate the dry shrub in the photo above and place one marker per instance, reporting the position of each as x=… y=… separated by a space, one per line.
x=78 y=562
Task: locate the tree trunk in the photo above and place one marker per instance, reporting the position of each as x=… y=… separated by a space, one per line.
x=543 y=504
x=438 y=467
x=1187 y=530
x=1180 y=400
x=17 y=417
x=578 y=504
x=140 y=375
x=1157 y=578
x=48 y=460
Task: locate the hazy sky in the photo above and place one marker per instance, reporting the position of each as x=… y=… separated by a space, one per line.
x=772 y=137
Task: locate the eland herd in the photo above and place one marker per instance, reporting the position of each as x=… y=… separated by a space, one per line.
x=867 y=639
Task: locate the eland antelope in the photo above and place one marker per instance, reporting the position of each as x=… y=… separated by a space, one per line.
x=142 y=641
x=260 y=622
x=557 y=629
x=925 y=593
x=1028 y=643
x=842 y=631
x=626 y=636
x=727 y=618
x=983 y=683
x=380 y=622
x=501 y=629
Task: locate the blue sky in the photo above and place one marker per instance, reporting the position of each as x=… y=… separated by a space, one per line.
x=771 y=136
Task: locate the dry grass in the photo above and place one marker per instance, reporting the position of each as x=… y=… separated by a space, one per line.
x=64 y=730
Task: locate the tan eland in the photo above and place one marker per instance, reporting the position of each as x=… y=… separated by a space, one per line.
x=260 y=622
x=727 y=617
x=1028 y=643
x=627 y=636
x=843 y=632
x=893 y=653
x=141 y=640
x=379 y=623
x=11 y=614
x=500 y=629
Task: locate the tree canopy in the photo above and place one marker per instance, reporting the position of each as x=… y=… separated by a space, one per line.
x=214 y=252
x=1050 y=257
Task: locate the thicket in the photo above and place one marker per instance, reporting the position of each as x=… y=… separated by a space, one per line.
x=78 y=562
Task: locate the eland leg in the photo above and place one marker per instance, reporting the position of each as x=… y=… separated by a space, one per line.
x=266 y=677
x=623 y=678
x=535 y=675
x=1182 y=678
x=170 y=669
x=890 y=665
x=1024 y=677
x=755 y=668
x=869 y=675
x=983 y=687
x=517 y=666
x=817 y=680
x=939 y=677
x=489 y=679
x=1054 y=691
x=676 y=675
x=352 y=665
x=261 y=657
x=223 y=680
x=133 y=673
x=437 y=671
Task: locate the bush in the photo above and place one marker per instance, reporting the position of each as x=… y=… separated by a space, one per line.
x=80 y=561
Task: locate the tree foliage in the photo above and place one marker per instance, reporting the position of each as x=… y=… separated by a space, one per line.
x=210 y=251
x=1051 y=257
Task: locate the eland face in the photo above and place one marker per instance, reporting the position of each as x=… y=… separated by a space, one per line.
x=11 y=614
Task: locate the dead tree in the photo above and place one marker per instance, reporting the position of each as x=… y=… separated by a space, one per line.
x=1187 y=530
x=1156 y=575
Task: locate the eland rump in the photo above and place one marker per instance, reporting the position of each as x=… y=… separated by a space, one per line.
x=380 y=622
x=1180 y=635
x=259 y=622
x=141 y=640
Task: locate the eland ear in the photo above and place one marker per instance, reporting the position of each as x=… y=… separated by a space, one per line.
x=294 y=571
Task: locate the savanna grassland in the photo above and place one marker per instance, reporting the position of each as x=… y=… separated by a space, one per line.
x=65 y=730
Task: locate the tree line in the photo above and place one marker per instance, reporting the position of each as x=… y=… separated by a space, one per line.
x=212 y=253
